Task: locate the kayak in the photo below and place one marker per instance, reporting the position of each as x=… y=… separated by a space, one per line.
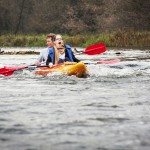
x=78 y=69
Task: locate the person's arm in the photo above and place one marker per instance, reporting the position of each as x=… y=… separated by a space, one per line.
x=39 y=59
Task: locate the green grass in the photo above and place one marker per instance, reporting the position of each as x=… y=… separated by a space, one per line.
x=118 y=38
x=10 y=40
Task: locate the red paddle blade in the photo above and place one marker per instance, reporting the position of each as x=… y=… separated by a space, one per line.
x=3 y=69
x=95 y=49
x=108 y=61
x=8 y=71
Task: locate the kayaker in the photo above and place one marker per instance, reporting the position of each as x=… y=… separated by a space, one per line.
x=65 y=53
x=44 y=53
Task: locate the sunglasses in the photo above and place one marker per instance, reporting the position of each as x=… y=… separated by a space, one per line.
x=59 y=39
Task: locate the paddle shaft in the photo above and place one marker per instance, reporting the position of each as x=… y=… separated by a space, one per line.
x=113 y=61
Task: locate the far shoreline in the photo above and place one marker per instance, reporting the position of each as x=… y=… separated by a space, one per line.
x=32 y=52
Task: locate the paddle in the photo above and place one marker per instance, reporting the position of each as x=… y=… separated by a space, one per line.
x=104 y=62
x=95 y=49
x=90 y=50
x=8 y=71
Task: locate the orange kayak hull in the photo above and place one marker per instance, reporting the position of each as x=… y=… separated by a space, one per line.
x=78 y=69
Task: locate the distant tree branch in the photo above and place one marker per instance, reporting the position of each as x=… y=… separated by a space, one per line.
x=20 y=16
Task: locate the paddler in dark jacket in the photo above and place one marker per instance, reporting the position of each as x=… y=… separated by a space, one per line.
x=64 y=52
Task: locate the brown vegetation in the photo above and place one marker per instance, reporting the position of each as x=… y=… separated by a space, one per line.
x=73 y=16
x=120 y=38
x=19 y=53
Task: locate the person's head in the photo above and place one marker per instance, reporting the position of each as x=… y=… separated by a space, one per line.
x=59 y=37
x=50 y=39
x=59 y=41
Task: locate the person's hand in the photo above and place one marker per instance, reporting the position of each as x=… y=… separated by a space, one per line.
x=69 y=63
x=50 y=65
x=37 y=63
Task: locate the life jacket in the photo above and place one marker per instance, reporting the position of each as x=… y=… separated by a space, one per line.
x=51 y=54
x=69 y=51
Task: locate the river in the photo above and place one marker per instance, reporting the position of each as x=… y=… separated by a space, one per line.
x=109 y=110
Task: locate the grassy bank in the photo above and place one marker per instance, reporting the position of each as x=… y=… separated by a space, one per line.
x=115 y=39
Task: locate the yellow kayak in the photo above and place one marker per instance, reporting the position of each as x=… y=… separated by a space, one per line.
x=78 y=69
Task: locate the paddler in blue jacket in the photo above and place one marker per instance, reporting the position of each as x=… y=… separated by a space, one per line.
x=64 y=53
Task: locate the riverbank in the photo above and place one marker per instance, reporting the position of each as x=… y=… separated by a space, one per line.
x=120 y=38
x=19 y=53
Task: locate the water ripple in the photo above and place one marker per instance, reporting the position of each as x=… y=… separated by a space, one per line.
x=109 y=110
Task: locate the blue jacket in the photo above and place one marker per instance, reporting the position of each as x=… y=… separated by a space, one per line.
x=68 y=54
x=51 y=56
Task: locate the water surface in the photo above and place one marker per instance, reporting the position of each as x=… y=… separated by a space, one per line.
x=109 y=110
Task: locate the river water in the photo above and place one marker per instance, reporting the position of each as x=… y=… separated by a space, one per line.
x=109 y=110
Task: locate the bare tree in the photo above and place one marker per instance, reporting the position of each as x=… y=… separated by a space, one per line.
x=20 y=16
x=73 y=16
x=135 y=14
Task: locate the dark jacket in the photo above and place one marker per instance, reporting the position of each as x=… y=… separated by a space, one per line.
x=69 y=56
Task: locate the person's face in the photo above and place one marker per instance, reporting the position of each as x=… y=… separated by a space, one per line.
x=49 y=42
x=59 y=43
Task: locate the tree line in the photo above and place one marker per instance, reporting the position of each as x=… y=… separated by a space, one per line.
x=73 y=16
